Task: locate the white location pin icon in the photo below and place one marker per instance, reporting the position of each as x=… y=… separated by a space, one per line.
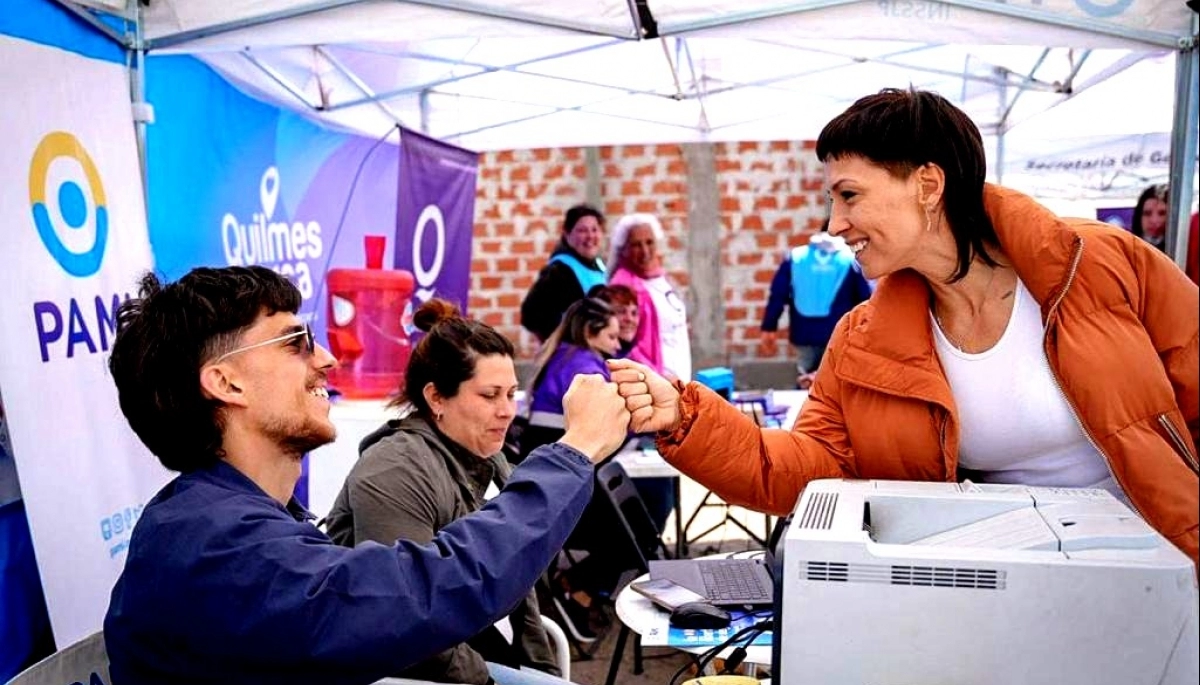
x=268 y=191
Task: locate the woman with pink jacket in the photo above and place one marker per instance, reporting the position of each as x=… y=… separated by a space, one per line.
x=662 y=337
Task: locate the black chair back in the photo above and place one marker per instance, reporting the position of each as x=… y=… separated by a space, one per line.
x=644 y=542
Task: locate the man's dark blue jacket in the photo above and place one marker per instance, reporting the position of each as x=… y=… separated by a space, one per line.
x=225 y=585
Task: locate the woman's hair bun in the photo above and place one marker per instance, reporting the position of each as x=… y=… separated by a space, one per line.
x=433 y=312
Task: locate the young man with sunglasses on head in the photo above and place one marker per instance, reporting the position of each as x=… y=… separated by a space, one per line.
x=227 y=579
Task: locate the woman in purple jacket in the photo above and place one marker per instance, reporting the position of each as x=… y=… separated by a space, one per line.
x=588 y=333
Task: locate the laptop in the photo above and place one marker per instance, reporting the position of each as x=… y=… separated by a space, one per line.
x=724 y=582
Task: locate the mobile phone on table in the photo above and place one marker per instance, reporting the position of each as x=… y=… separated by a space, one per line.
x=666 y=593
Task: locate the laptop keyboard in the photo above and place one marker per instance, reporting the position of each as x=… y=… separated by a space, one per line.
x=733 y=580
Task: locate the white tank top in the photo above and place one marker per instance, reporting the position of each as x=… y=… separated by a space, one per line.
x=1016 y=424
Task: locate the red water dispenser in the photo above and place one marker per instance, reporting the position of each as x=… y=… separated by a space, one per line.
x=366 y=325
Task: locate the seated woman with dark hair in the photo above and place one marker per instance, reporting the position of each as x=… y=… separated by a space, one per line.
x=419 y=473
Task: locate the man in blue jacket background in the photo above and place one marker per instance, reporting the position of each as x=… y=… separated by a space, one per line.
x=227 y=579
x=817 y=283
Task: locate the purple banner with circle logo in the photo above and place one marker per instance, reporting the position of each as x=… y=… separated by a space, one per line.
x=435 y=217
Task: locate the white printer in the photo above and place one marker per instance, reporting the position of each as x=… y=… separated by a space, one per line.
x=904 y=583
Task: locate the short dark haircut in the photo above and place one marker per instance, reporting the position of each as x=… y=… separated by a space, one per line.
x=576 y=213
x=447 y=353
x=1156 y=192
x=167 y=334
x=901 y=131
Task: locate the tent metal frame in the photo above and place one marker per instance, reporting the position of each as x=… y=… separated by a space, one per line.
x=1183 y=139
x=325 y=5
x=1034 y=14
x=1183 y=143
x=1027 y=82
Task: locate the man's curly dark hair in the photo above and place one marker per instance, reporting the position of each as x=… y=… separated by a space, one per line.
x=165 y=336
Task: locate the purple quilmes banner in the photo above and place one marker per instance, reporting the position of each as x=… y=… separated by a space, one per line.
x=435 y=216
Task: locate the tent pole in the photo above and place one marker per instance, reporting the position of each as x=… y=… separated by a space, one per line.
x=141 y=111
x=1183 y=146
x=358 y=83
x=1007 y=105
x=279 y=80
x=423 y=100
x=635 y=19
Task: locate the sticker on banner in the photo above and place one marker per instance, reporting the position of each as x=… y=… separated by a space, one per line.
x=283 y=246
x=70 y=215
x=432 y=214
x=118 y=527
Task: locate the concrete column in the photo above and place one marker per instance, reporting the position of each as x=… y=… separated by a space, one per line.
x=705 y=301
x=591 y=160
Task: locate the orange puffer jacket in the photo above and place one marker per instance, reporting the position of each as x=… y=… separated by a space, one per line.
x=1121 y=338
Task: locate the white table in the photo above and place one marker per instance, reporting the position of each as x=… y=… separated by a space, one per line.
x=644 y=618
x=647 y=463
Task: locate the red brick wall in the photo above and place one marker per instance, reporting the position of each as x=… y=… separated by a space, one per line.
x=770 y=199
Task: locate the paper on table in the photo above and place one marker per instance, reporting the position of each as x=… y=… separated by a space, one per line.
x=663 y=634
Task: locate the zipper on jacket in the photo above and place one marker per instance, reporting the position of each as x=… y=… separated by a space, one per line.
x=1075 y=259
x=1177 y=440
x=944 y=420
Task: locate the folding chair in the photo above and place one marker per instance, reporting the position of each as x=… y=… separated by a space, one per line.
x=77 y=663
x=642 y=543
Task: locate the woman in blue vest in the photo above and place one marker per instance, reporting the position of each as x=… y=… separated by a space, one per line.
x=574 y=269
x=818 y=283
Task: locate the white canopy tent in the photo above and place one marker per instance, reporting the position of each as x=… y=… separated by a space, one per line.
x=536 y=73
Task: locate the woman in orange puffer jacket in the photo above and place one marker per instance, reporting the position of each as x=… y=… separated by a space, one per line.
x=1003 y=343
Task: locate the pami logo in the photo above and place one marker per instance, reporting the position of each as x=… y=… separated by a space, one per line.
x=70 y=213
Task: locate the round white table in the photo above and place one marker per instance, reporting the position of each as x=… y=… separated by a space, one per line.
x=644 y=618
